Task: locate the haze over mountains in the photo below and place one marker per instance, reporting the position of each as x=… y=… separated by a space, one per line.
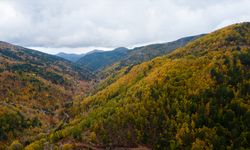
x=192 y=93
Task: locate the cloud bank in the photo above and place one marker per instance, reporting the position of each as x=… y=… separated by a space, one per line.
x=77 y=26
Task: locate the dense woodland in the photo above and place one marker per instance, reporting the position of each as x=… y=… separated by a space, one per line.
x=196 y=97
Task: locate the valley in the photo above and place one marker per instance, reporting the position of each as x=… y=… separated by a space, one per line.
x=192 y=93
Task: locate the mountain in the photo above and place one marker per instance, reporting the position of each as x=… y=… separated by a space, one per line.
x=35 y=90
x=75 y=57
x=196 y=97
x=100 y=60
x=117 y=59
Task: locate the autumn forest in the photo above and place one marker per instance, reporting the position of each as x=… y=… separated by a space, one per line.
x=192 y=93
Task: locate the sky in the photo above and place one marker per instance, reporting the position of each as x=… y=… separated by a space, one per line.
x=78 y=26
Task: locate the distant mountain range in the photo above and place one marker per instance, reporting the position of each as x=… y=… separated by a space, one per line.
x=100 y=60
x=97 y=61
x=75 y=57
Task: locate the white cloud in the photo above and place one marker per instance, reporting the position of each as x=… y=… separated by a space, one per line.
x=77 y=25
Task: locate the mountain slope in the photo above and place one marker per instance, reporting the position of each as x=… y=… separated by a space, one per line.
x=194 y=98
x=34 y=91
x=15 y=55
x=137 y=56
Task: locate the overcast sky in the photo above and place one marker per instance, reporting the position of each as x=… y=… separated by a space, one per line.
x=77 y=26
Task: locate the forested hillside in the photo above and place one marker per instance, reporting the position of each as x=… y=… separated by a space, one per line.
x=139 y=55
x=197 y=97
x=35 y=91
